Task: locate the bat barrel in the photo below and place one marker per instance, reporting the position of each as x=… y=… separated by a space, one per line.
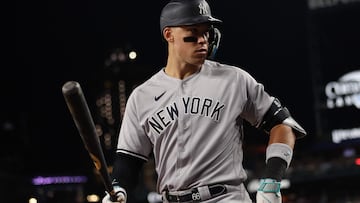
x=80 y=112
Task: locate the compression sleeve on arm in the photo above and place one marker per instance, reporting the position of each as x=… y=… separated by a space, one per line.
x=275 y=168
x=126 y=171
x=278 y=158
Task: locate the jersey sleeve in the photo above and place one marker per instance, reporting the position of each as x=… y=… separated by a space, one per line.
x=257 y=100
x=132 y=137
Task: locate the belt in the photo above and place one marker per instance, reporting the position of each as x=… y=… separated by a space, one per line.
x=197 y=194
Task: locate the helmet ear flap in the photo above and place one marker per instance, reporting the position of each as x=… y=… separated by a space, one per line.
x=214 y=42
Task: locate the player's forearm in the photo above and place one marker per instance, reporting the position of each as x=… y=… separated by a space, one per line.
x=126 y=171
x=282 y=134
x=279 y=151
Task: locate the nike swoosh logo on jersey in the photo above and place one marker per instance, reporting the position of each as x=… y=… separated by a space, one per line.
x=158 y=97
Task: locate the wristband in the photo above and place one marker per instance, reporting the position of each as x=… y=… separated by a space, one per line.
x=280 y=150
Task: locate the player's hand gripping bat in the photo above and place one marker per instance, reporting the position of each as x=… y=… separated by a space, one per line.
x=81 y=115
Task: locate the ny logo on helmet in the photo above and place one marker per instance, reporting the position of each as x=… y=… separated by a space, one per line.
x=203 y=10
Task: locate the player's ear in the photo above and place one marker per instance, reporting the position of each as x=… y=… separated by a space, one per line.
x=167 y=33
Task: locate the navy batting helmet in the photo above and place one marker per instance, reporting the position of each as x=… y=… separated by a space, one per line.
x=186 y=12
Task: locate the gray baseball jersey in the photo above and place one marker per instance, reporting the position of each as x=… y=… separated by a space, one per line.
x=193 y=126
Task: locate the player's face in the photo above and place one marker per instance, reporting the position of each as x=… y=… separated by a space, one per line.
x=191 y=43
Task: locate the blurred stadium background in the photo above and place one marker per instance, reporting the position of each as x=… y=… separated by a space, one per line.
x=305 y=52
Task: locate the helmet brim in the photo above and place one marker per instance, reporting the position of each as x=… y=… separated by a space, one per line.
x=192 y=21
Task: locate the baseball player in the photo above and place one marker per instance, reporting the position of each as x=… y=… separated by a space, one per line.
x=189 y=116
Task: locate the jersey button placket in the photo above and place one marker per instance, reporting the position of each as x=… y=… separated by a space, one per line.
x=179 y=141
x=182 y=130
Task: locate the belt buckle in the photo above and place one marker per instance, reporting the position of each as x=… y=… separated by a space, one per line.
x=195 y=195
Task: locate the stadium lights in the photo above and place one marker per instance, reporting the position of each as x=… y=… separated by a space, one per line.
x=58 y=180
x=357 y=161
x=93 y=198
x=132 y=55
x=33 y=200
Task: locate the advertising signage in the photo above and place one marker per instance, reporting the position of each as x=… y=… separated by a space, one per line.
x=341 y=108
x=334 y=59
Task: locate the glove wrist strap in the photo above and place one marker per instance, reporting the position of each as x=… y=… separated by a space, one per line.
x=269 y=185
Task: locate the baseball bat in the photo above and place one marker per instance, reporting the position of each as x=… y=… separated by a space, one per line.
x=81 y=115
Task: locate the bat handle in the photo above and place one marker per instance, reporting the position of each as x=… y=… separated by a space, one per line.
x=113 y=196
